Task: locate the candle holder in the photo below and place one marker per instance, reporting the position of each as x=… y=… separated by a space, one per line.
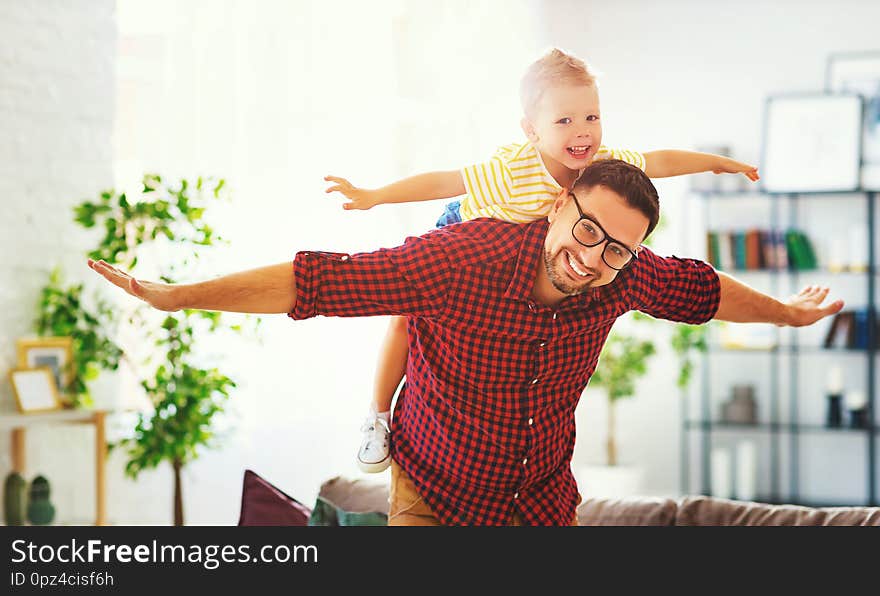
x=834 y=414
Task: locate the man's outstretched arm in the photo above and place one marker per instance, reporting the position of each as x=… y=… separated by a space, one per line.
x=741 y=304
x=266 y=290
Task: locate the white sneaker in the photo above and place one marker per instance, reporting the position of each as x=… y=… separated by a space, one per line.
x=375 y=452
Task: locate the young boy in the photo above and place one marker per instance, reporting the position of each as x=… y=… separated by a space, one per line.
x=563 y=128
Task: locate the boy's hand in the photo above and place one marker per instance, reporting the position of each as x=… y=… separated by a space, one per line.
x=731 y=166
x=359 y=198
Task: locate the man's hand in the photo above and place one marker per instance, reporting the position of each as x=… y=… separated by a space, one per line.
x=731 y=166
x=805 y=307
x=158 y=295
x=359 y=198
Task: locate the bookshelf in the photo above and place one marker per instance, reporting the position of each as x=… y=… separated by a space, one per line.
x=797 y=451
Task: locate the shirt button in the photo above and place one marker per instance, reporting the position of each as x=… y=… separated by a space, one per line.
x=344 y=258
x=535 y=380
x=543 y=343
x=531 y=421
x=516 y=496
x=525 y=461
x=555 y=315
x=531 y=306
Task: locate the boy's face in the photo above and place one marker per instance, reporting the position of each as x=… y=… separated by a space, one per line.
x=572 y=267
x=566 y=126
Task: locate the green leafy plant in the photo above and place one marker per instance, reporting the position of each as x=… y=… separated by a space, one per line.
x=63 y=312
x=624 y=359
x=186 y=397
x=685 y=341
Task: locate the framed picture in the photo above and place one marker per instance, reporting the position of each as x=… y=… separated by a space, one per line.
x=56 y=353
x=860 y=73
x=35 y=389
x=812 y=143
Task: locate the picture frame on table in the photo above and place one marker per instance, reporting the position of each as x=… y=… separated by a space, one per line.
x=859 y=73
x=35 y=390
x=55 y=353
x=812 y=143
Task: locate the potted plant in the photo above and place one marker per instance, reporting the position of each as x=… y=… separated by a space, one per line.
x=186 y=397
x=624 y=359
x=63 y=311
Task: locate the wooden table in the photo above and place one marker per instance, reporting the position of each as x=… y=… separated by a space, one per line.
x=18 y=423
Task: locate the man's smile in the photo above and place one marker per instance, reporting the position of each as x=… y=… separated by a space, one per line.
x=576 y=269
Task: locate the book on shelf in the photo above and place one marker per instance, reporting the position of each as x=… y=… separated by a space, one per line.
x=800 y=251
x=849 y=329
x=778 y=243
x=739 y=253
x=768 y=253
x=755 y=249
x=713 y=249
x=754 y=254
x=724 y=262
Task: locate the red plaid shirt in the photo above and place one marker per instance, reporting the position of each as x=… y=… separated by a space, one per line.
x=485 y=425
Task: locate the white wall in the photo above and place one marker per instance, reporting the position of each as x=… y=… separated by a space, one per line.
x=57 y=97
x=684 y=74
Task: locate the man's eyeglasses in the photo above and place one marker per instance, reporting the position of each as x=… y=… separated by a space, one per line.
x=589 y=233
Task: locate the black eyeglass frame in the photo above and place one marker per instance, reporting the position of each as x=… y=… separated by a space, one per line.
x=605 y=237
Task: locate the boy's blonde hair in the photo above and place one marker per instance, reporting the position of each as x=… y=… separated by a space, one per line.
x=554 y=68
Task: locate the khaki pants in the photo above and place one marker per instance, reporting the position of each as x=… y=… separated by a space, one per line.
x=407 y=508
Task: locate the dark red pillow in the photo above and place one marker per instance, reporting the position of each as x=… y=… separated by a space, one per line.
x=264 y=505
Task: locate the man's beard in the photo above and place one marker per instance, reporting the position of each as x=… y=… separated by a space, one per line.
x=561 y=281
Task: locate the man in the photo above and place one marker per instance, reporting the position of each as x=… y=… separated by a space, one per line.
x=506 y=323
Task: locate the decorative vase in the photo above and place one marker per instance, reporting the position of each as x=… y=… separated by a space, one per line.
x=40 y=510
x=835 y=411
x=14 y=499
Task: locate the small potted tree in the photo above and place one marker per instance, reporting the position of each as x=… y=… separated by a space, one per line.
x=185 y=396
x=624 y=359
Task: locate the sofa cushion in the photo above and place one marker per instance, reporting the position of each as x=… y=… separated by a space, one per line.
x=263 y=504
x=629 y=511
x=711 y=511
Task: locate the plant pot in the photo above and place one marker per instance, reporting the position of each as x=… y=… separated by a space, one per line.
x=609 y=481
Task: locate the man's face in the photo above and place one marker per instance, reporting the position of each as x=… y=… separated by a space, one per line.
x=572 y=267
x=566 y=126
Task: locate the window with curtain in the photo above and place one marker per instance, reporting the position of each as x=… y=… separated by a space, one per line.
x=273 y=96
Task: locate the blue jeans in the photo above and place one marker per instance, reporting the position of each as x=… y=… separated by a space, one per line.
x=451 y=214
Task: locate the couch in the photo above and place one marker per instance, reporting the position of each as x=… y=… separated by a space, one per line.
x=345 y=501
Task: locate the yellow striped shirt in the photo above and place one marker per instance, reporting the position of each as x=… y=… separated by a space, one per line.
x=515 y=185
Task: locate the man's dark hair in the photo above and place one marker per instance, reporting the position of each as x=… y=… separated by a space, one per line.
x=629 y=182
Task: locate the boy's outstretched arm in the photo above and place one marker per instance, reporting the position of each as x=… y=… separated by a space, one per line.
x=742 y=304
x=423 y=187
x=267 y=290
x=671 y=162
